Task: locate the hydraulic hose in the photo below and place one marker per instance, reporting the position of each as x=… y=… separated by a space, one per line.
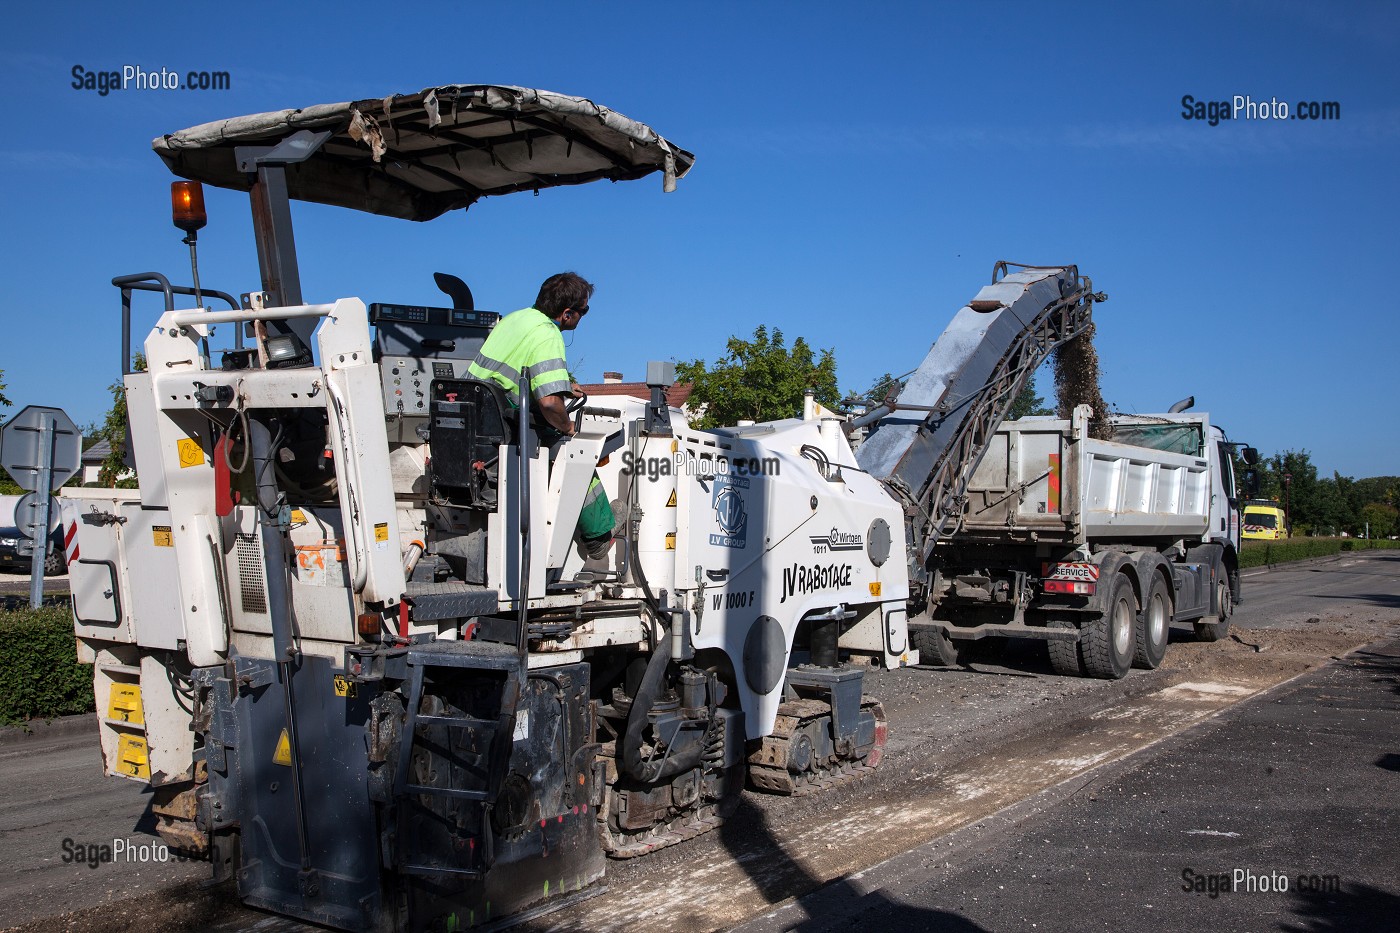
x=647 y=692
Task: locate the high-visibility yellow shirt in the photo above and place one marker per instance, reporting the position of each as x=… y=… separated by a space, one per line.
x=524 y=339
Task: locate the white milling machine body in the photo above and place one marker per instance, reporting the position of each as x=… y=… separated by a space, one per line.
x=344 y=629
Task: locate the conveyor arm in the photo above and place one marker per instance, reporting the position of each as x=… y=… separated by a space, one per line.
x=931 y=439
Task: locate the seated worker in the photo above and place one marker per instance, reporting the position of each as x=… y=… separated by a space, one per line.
x=533 y=338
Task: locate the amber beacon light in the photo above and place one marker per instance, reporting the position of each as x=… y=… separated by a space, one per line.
x=187 y=205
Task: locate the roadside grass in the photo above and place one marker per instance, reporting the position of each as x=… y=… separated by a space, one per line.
x=1263 y=553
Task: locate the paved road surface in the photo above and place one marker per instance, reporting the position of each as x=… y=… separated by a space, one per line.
x=945 y=727
x=1277 y=816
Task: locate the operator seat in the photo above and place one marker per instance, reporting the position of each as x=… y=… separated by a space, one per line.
x=469 y=419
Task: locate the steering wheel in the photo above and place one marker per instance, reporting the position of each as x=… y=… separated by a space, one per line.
x=574 y=409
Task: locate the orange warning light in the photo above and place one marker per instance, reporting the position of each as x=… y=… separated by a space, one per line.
x=187 y=205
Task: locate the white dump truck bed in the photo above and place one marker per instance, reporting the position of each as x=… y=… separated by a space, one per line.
x=1046 y=480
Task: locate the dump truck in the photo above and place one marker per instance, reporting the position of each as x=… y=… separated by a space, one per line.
x=1095 y=546
x=345 y=631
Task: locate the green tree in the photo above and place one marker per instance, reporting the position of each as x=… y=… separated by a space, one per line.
x=1382 y=489
x=8 y=487
x=113 y=431
x=1381 y=518
x=1027 y=404
x=879 y=390
x=759 y=380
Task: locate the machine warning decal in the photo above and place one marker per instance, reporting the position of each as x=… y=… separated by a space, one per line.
x=381 y=535
x=283 y=754
x=875 y=588
x=799 y=579
x=522 y=726
x=671 y=502
x=345 y=687
x=161 y=536
x=731 y=515
x=124 y=704
x=191 y=454
x=319 y=564
x=670 y=541
x=133 y=758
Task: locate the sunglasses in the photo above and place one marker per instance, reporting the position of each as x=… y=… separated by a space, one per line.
x=580 y=312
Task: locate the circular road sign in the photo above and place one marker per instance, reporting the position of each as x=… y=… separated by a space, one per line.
x=27 y=515
x=21 y=446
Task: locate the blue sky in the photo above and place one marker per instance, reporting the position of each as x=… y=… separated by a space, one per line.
x=860 y=167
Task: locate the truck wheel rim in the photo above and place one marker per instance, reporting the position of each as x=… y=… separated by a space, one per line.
x=1122 y=626
x=1156 y=619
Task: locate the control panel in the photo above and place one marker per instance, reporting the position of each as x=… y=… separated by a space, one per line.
x=415 y=344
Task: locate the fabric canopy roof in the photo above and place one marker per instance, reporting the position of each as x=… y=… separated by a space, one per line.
x=419 y=155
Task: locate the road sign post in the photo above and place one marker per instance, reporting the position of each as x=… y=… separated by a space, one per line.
x=40 y=448
x=40 y=536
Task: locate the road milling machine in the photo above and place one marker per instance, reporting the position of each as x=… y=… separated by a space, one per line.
x=344 y=628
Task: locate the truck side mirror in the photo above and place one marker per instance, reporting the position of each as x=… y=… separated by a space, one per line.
x=1251 y=455
x=1251 y=484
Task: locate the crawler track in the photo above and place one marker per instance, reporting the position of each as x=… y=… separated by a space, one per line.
x=768 y=767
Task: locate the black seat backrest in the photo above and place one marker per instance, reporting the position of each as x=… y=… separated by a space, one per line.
x=468 y=421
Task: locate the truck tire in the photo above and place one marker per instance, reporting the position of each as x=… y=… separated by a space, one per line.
x=1218 y=627
x=1106 y=647
x=935 y=647
x=1064 y=655
x=1154 y=624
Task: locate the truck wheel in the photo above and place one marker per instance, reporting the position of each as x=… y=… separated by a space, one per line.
x=1154 y=624
x=935 y=647
x=1215 y=629
x=1107 y=646
x=1064 y=655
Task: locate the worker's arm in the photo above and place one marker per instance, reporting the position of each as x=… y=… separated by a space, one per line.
x=552 y=406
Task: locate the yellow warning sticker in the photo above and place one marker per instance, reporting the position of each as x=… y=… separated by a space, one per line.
x=671 y=502
x=345 y=687
x=875 y=588
x=381 y=531
x=161 y=536
x=298 y=516
x=283 y=755
x=191 y=454
x=124 y=704
x=671 y=541
x=133 y=758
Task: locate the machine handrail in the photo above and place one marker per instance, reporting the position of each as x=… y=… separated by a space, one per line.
x=184 y=318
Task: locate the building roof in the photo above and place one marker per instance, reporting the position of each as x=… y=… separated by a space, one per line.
x=676 y=395
x=97 y=452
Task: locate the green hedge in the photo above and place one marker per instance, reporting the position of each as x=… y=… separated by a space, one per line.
x=40 y=676
x=1259 y=553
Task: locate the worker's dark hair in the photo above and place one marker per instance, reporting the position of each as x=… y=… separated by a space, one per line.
x=563 y=290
